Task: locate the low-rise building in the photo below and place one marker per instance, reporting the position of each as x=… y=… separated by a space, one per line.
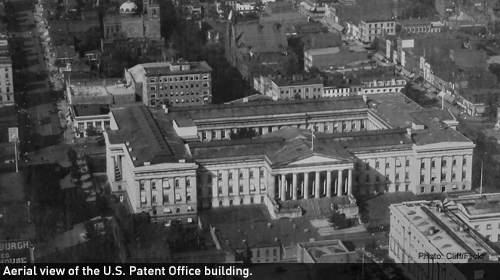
x=329 y=251
x=382 y=84
x=295 y=87
x=90 y=115
x=175 y=84
x=261 y=242
x=332 y=58
x=65 y=54
x=421 y=25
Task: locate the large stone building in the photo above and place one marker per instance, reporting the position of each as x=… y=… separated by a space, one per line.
x=168 y=163
x=134 y=23
x=122 y=30
x=174 y=84
x=428 y=239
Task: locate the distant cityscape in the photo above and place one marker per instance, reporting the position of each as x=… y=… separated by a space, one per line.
x=363 y=134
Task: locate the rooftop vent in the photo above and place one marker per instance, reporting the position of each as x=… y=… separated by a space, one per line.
x=130 y=149
x=127 y=143
x=412 y=213
x=306 y=230
x=276 y=239
x=147 y=163
x=182 y=160
x=269 y=225
x=134 y=158
x=244 y=241
x=478 y=274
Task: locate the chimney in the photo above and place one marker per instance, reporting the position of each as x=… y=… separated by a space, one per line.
x=276 y=239
x=294 y=226
x=269 y=225
x=127 y=143
x=134 y=158
x=130 y=149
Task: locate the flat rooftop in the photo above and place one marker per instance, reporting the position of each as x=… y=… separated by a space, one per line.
x=446 y=237
x=255 y=109
x=302 y=81
x=393 y=108
x=100 y=88
x=284 y=232
x=151 y=141
x=163 y=68
x=435 y=130
x=90 y=110
x=480 y=205
x=320 y=251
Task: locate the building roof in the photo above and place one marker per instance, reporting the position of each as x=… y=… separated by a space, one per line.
x=324 y=251
x=336 y=50
x=480 y=205
x=369 y=11
x=283 y=232
x=90 y=110
x=140 y=71
x=65 y=51
x=435 y=130
x=266 y=35
x=292 y=144
x=231 y=111
x=394 y=108
x=302 y=81
x=153 y=141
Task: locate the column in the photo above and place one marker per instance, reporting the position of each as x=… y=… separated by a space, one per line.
x=215 y=186
x=272 y=187
x=317 y=190
x=340 y=188
x=349 y=182
x=328 y=183
x=112 y=171
x=294 y=187
x=283 y=187
x=306 y=185
x=147 y=186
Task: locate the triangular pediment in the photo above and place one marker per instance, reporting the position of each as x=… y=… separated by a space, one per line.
x=314 y=159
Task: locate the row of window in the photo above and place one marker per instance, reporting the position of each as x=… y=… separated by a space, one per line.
x=205 y=92
x=260 y=130
x=166 y=184
x=375 y=25
x=240 y=175
x=153 y=87
x=179 y=78
x=240 y=189
x=299 y=90
x=488 y=227
x=377 y=164
x=377 y=178
x=97 y=124
x=275 y=253
x=231 y=202
x=444 y=163
x=443 y=177
x=443 y=188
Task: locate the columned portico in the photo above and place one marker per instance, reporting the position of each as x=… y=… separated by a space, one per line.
x=293 y=185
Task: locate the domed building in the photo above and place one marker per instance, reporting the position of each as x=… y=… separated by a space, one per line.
x=128 y=8
x=130 y=22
